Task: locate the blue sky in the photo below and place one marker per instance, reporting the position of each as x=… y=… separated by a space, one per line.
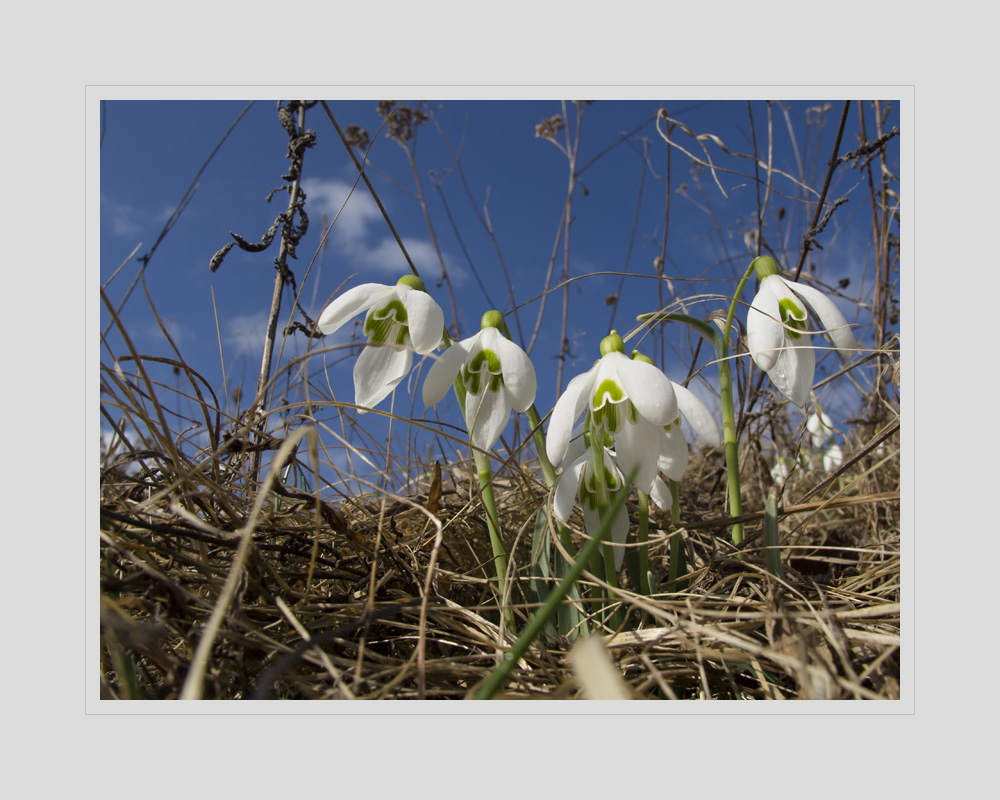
x=152 y=150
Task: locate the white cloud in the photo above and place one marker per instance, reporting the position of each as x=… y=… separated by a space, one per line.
x=360 y=212
x=246 y=333
x=362 y=236
x=124 y=219
x=386 y=257
x=128 y=220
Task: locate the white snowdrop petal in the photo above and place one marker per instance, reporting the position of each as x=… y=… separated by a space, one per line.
x=441 y=376
x=567 y=409
x=673 y=458
x=650 y=391
x=518 y=373
x=638 y=447
x=660 y=494
x=792 y=374
x=350 y=304
x=765 y=334
x=565 y=492
x=425 y=319
x=829 y=317
x=378 y=371
x=698 y=415
x=486 y=416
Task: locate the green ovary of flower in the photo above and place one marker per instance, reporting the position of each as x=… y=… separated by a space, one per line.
x=793 y=317
x=588 y=488
x=387 y=323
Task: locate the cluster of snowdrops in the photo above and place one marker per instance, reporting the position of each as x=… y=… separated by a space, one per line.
x=619 y=420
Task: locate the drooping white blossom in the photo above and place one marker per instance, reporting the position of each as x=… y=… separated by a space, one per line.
x=833 y=458
x=820 y=428
x=779 y=330
x=622 y=397
x=400 y=320
x=496 y=374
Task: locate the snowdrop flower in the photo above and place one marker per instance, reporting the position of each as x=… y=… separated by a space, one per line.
x=778 y=330
x=820 y=428
x=625 y=400
x=781 y=470
x=496 y=374
x=833 y=458
x=401 y=319
x=579 y=475
x=673 y=447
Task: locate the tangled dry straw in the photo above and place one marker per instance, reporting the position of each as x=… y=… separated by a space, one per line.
x=215 y=587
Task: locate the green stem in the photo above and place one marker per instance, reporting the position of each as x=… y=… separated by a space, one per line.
x=485 y=477
x=543 y=456
x=721 y=344
x=729 y=415
x=537 y=622
x=605 y=567
x=644 y=544
x=772 y=555
x=677 y=565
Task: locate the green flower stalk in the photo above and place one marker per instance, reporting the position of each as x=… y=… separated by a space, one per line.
x=490 y=375
x=721 y=345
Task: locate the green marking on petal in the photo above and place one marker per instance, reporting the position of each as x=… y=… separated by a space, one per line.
x=607 y=417
x=604 y=405
x=610 y=390
x=793 y=316
x=394 y=309
x=473 y=381
x=487 y=357
x=377 y=330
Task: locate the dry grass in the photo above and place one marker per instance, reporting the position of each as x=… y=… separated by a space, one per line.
x=370 y=599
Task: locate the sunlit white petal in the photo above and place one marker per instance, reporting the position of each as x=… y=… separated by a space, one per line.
x=673 y=459
x=568 y=408
x=350 y=304
x=441 y=376
x=518 y=373
x=829 y=316
x=566 y=486
x=377 y=372
x=486 y=414
x=638 y=447
x=698 y=415
x=765 y=333
x=792 y=374
x=425 y=319
x=650 y=391
x=780 y=471
x=660 y=494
